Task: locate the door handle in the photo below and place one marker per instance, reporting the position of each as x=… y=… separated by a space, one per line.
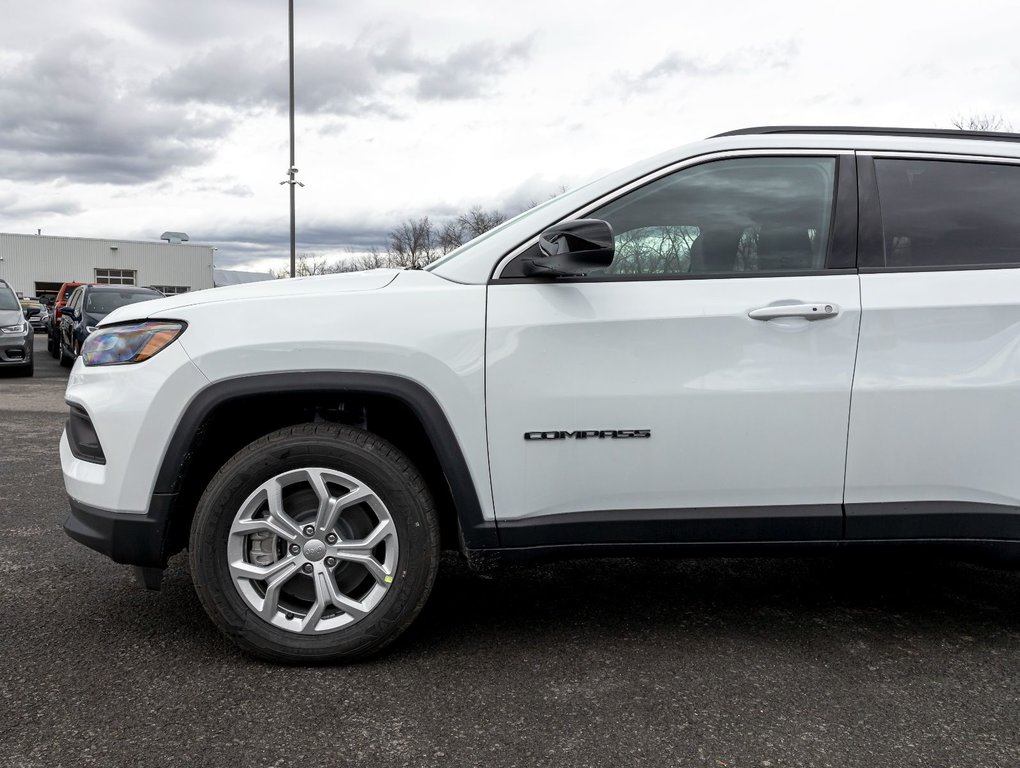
x=817 y=311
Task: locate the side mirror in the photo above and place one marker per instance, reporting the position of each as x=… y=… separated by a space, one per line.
x=572 y=248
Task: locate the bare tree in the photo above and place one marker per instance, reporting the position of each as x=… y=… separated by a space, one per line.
x=450 y=236
x=654 y=250
x=477 y=221
x=413 y=244
x=307 y=264
x=988 y=121
x=371 y=259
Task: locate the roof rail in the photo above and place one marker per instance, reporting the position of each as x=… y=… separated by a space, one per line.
x=938 y=133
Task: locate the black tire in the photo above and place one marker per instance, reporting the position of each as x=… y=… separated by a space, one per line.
x=28 y=370
x=52 y=346
x=66 y=360
x=367 y=458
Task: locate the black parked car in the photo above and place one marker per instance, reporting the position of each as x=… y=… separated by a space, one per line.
x=88 y=305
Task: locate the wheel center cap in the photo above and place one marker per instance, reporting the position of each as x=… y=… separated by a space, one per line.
x=314 y=550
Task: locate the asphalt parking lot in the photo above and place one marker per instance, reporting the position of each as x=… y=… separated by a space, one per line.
x=800 y=662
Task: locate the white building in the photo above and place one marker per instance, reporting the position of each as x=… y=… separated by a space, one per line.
x=36 y=265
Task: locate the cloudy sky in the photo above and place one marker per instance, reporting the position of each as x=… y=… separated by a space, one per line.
x=125 y=118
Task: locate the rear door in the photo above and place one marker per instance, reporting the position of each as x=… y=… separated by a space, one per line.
x=934 y=438
x=699 y=388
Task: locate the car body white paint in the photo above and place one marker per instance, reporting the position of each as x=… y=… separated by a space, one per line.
x=760 y=409
x=937 y=389
x=421 y=327
x=742 y=412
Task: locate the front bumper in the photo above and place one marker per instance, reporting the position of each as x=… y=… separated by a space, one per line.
x=15 y=350
x=133 y=411
x=132 y=539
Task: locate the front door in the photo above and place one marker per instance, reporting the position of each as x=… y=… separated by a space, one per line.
x=698 y=389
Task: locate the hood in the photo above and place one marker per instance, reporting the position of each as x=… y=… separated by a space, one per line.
x=307 y=288
x=11 y=316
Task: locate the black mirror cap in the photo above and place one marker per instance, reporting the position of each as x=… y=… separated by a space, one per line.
x=572 y=249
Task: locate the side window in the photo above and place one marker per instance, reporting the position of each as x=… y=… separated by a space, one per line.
x=938 y=213
x=746 y=215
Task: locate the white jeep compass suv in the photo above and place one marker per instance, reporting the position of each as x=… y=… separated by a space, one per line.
x=775 y=339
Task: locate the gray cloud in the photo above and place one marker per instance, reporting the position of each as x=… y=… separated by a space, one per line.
x=334 y=79
x=469 y=71
x=239 y=244
x=189 y=21
x=65 y=115
x=742 y=60
x=14 y=206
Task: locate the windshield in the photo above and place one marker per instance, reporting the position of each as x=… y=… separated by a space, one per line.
x=7 y=299
x=104 y=302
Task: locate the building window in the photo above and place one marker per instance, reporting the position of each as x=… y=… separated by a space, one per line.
x=171 y=290
x=115 y=276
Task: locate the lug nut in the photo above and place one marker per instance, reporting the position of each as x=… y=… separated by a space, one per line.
x=307 y=567
x=309 y=530
x=330 y=562
x=294 y=549
x=331 y=539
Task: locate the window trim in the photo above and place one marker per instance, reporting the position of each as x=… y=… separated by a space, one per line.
x=842 y=229
x=175 y=292
x=120 y=276
x=871 y=235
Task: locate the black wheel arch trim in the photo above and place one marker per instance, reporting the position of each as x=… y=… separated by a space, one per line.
x=476 y=532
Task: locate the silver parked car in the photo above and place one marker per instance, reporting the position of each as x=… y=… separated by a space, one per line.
x=15 y=334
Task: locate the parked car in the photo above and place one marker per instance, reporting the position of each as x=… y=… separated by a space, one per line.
x=35 y=312
x=15 y=334
x=53 y=332
x=88 y=305
x=774 y=340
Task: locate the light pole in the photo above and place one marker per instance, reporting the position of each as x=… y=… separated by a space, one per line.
x=292 y=171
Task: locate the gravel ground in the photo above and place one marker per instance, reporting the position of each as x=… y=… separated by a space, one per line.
x=798 y=662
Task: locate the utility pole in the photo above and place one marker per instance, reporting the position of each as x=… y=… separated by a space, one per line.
x=292 y=171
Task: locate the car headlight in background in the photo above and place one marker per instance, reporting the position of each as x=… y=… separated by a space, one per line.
x=131 y=343
x=21 y=327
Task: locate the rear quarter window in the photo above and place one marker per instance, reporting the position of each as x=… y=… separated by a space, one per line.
x=946 y=214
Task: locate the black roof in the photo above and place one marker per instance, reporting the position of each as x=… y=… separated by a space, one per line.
x=937 y=133
x=110 y=287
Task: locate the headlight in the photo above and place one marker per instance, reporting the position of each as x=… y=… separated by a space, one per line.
x=19 y=328
x=122 y=344
x=90 y=329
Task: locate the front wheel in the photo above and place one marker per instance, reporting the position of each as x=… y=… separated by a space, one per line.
x=66 y=360
x=315 y=543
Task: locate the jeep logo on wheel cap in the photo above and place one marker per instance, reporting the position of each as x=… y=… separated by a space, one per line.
x=315 y=550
